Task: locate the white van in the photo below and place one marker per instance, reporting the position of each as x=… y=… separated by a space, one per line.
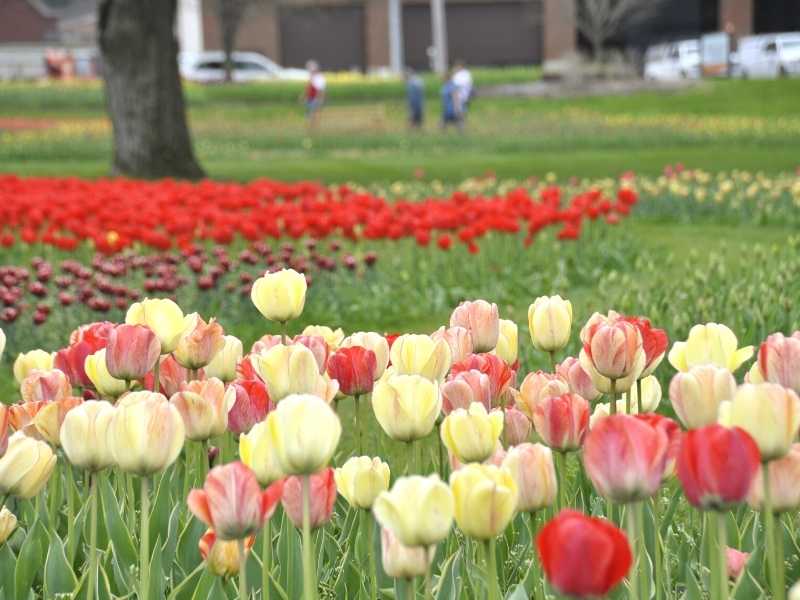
x=676 y=60
x=769 y=55
x=209 y=67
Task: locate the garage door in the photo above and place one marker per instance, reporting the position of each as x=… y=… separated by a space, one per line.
x=481 y=33
x=331 y=35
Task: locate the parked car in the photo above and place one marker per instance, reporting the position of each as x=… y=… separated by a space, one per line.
x=676 y=60
x=769 y=56
x=209 y=67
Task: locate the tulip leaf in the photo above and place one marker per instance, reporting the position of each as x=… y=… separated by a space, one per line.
x=157 y=575
x=30 y=560
x=449 y=586
x=204 y=585
x=188 y=556
x=7 y=562
x=185 y=588
x=58 y=575
x=73 y=541
x=517 y=593
x=171 y=543
x=124 y=550
x=161 y=506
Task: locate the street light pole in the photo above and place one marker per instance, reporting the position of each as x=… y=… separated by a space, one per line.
x=439 y=30
x=396 y=35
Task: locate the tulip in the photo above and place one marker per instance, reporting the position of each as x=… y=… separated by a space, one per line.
x=25 y=467
x=45 y=386
x=171 y=376
x=304 y=432
x=716 y=466
x=94 y=334
x=85 y=435
x=204 y=406
x=162 y=316
x=232 y=503
x=223 y=557
x=132 y=352
x=517 y=427
x=97 y=372
x=418 y=510
x=770 y=413
x=485 y=500
x=404 y=562
x=28 y=361
x=754 y=375
x=406 y=406
x=651 y=395
x=250 y=406
x=318 y=346
x=696 y=394
x=199 y=343
x=572 y=540
x=482 y=319
x=531 y=466
x=674 y=435
x=371 y=341
x=536 y=388
x=421 y=355
x=223 y=365
x=578 y=379
x=735 y=562
x=459 y=340
x=354 y=369
x=496 y=459
x=654 y=343
x=779 y=360
x=549 y=323
x=50 y=417
x=280 y=296
x=257 y=453
x=332 y=337
x=8 y=523
x=71 y=361
x=626 y=458
x=361 y=479
x=20 y=417
x=288 y=370
x=321 y=499
x=507 y=343
x=472 y=434
x=794 y=592
x=5 y=417
x=464 y=388
x=709 y=344
x=269 y=340
x=146 y=434
x=501 y=376
x=784 y=483
x=612 y=349
x=562 y=421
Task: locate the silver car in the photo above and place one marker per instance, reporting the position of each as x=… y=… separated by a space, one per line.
x=209 y=67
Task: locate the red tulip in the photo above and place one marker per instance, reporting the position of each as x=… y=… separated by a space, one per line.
x=132 y=351
x=71 y=360
x=716 y=466
x=583 y=557
x=232 y=503
x=94 y=334
x=464 y=388
x=674 y=436
x=654 y=342
x=500 y=374
x=625 y=458
x=322 y=498
x=562 y=421
x=779 y=360
x=250 y=407
x=354 y=368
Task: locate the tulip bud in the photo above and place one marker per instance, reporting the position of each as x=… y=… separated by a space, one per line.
x=332 y=337
x=146 y=433
x=531 y=466
x=85 y=435
x=222 y=556
x=223 y=365
x=651 y=394
x=421 y=355
x=458 y=339
x=464 y=388
x=613 y=349
x=779 y=360
x=361 y=479
x=501 y=376
x=578 y=379
x=199 y=343
x=550 y=322
x=280 y=296
x=404 y=562
x=418 y=510
x=537 y=387
x=485 y=500
x=696 y=394
x=654 y=343
x=562 y=421
x=322 y=496
x=406 y=406
x=482 y=319
x=8 y=523
x=257 y=453
x=28 y=361
x=353 y=368
x=288 y=370
x=50 y=417
x=293 y=424
x=709 y=344
x=770 y=413
x=371 y=341
x=132 y=352
x=735 y=562
x=250 y=405
x=517 y=427
x=507 y=343
x=204 y=406
x=25 y=467
x=163 y=317
x=472 y=434
x=97 y=372
x=784 y=483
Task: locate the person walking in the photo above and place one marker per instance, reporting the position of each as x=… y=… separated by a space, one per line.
x=415 y=95
x=314 y=95
x=462 y=78
x=451 y=104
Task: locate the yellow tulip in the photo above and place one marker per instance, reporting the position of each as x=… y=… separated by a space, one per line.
x=406 y=406
x=651 y=394
x=531 y=466
x=696 y=394
x=471 y=435
x=28 y=361
x=292 y=369
x=332 y=337
x=256 y=452
x=223 y=365
x=49 y=419
x=770 y=413
x=709 y=344
x=421 y=355
x=371 y=341
x=550 y=322
x=304 y=432
x=8 y=523
x=485 y=500
x=147 y=433
x=507 y=342
x=418 y=510
x=404 y=562
x=162 y=316
x=85 y=435
x=361 y=479
x=204 y=407
x=97 y=372
x=280 y=296
x=25 y=467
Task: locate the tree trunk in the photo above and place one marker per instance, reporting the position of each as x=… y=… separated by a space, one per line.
x=143 y=89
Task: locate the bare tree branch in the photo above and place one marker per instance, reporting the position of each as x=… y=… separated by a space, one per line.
x=600 y=20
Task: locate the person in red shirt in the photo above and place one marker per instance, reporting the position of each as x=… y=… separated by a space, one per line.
x=314 y=95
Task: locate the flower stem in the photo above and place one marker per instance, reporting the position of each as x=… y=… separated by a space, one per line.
x=774 y=561
x=552 y=360
x=612 y=409
x=156 y=368
x=242 y=570
x=285 y=333
x=538 y=590
x=266 y=560
x=633 y=540
x=410 y=588
x=309 y=579
x=722 y=574
x=657 y=558
x=92 y=536
x=561 y=476
x=638 y=397
x=70 y=500
x=644 y=575
x=428 y=585
x=491 y=570
x=144 y=541
x=373 y=569
x=356 y=410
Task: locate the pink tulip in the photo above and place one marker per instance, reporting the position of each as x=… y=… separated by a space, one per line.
x=501 y=376
x=784 y=483
x=674 y=437
x=580 y=382
x=203 y=405
x=132 y=351
x=458 y=338
x=464 y=388
x=265 y=342
x=538 y=386
x=614 y=346
x=171 y=376
x=482 y=319
x=626 y=458
x=316 y=343
x=322 y=498
x=562 y=421
x=251 y=405
x=779 y=360
x=735 y=562
x=232 y=503
x=45 y=386
x=517 y=427
x=200 y=343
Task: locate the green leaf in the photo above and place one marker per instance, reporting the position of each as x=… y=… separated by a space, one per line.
x=157 y=575
x=30 y=561
x=207 y=580
x=7 y=562
x=448 y=588
x=188 y=556
x=58 y=575
x=517 y=593
x=121 y=541
x=171 y=543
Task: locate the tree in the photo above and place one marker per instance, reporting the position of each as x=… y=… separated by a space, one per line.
x=599 y=20
x=143 y=89
x=230 y=13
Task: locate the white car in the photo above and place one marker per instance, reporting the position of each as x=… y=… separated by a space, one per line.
x=209 y=67
x=676 y=60
x=769 y=56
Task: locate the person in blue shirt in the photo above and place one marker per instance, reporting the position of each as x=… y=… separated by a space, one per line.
x=451 y=104
x=415 y=95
